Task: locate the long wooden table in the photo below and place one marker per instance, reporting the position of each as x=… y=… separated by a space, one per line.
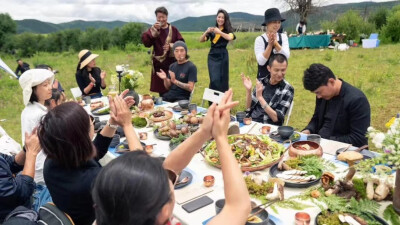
x=199 y=168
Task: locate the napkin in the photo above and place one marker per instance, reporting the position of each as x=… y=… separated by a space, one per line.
x=191 y=192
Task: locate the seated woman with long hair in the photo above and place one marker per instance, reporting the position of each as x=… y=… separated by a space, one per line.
x=136 y=189
x=66 y=134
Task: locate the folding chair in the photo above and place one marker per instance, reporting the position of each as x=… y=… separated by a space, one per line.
x=211 y=95
x=76 y=92
x=289 y=113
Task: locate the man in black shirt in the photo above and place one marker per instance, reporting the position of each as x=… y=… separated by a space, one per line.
x=181 y=77
x=342 y=112
x=272 y=96
x=22 y=67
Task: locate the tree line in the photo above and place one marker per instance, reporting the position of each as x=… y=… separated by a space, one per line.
x=27 y=44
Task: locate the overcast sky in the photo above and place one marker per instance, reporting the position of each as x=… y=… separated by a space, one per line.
x=58 y=11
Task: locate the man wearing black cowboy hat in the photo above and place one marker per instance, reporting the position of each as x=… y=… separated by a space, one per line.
x=271 y=42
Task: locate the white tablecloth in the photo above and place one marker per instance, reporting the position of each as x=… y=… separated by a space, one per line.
x=199 y=169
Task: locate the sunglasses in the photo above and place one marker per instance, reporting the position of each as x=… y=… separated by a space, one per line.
x=172 y=176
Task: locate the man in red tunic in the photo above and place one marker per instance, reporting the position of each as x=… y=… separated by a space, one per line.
x=161 y=36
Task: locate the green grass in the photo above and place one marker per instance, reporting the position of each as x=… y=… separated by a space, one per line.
x=375 y=71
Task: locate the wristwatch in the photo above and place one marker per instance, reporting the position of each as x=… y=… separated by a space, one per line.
x=112 y=126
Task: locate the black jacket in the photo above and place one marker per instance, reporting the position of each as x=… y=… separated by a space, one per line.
x=70 y=188
x=352 y=117
x=14 y=191
x=22 y=68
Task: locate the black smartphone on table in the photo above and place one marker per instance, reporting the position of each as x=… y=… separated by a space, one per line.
x=197 y=204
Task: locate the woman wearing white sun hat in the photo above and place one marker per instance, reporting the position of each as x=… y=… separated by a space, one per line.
x=89 y=77
x=36 y=89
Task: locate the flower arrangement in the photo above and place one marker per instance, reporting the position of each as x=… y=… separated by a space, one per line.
x=389 y=142
x=131 y=79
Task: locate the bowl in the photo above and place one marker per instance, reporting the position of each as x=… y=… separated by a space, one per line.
x=149 y=149
x=247 y=121
x=143 y=135
x=302 y=218
x=265 y=129
x=298 y=149
x=184 y=104
x=263 y=215
x=285 y=131
x=209 y=181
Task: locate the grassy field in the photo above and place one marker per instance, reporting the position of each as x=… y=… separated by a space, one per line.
x=375 y=71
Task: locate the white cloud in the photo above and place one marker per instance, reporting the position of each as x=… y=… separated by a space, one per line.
x=57 y=11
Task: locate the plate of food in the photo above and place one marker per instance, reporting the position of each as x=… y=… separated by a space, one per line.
x=101 y=111
x=302 y=171
x=177 y=141
x=162 y=135
x=96 y=105
x=348 y=218
x=160 y=115
x=253 y=152
x=123 y=147
x=139 y=122
x=185 y=178
x=275 y=136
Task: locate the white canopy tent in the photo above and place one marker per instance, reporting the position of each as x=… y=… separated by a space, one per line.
x=4 y=66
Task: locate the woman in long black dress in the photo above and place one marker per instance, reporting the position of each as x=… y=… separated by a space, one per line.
x=218 y=58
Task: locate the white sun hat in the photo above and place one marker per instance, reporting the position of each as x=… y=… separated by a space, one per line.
x=32 y=78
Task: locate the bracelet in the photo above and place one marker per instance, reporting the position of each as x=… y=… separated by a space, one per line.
x=112 y=126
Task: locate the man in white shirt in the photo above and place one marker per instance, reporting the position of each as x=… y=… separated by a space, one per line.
x=271 y=42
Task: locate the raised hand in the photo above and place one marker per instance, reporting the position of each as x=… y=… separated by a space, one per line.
x=162 y=74
x=217 y=30
x=259 y=89
x=103 y=74
x=157 y=25
x=32 y=144
x=173 y=77
x=246 y=82
x=91 y=78
x=128 y=99
x=119 y=111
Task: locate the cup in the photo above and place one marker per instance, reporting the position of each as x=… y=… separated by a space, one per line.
x=209 y=181
x=192 y=108
x=112 y=91
x=302 y=218
x=240 y=116
x=159 y=101
x=87 y=100
x=265 y=129
x=143 y=135
x=219 y=204
x=314 y=137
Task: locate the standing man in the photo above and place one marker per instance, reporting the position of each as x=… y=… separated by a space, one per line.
x=181 y=77
x=272 y=96
x=161 y=36
x=271 y=42
x=342 y=112
x=22 y=67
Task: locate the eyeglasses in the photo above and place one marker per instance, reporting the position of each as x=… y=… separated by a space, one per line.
x=172 y=176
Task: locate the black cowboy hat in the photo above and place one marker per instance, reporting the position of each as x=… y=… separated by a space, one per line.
x=272 y=14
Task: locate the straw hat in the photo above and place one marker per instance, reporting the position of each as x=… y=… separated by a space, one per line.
x=32 y=78
x=85 y=56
